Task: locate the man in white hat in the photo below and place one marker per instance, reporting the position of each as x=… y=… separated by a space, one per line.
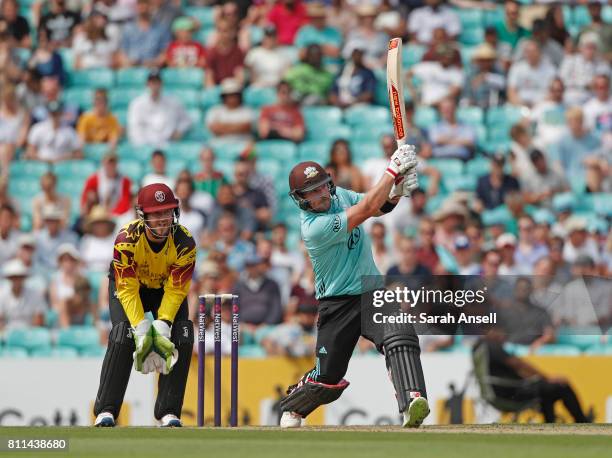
x=8 y=233
x=232 y=120
x=51 y=237
x=19 y=304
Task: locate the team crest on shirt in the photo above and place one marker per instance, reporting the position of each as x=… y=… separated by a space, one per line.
x=160 y=196
x=311 y=172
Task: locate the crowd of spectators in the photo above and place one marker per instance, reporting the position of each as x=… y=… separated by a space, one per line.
x=508 y=103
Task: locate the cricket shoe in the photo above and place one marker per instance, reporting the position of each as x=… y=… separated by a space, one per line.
x=290 y=420
x=416 y=412
x=171 y=421
x=105 y=420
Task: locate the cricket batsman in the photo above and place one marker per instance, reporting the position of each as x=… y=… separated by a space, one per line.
x=153 y=262
x=340 y=252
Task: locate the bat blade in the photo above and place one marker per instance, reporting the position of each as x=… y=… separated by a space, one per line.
x=395 y=89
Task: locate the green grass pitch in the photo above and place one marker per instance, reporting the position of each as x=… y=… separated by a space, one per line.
x=498 y=441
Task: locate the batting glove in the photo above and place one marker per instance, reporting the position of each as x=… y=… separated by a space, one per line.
x=143 y=339
x=403 y=161
x=163 y=346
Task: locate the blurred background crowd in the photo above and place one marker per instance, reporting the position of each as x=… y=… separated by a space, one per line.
x=508 y=102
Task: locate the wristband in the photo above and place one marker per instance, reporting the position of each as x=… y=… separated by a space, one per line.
x=387 y=207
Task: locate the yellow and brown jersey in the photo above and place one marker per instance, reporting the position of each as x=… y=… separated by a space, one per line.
x=135 y=265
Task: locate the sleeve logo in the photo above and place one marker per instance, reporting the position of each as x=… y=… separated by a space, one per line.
x=337 y=224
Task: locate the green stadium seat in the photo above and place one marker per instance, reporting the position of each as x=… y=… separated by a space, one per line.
x=135 y=76
x=281 y=150
x=23 y=54
x=131 y=168
x=78 y=169
x=412 y=54
x=497 y=216
x=317 y=116
x=371 y=133
x=498 y=133
x=273 y=168
x=190 y=98
x=29 y=339
x=30 y=169
x=506 y=115
x=252 y=351
x=24 y=186
x=81 y=96
x=599 y=350
x=197 y=133
x=459 y=183
x=474 y=116
x=470 y=17
x=184 y=150
x=174 y=167
x=447 y=167
x=256 y=33
x=210 y=97
x=602 y=204
x=121 y=97
x=95 y=151
x=13 y=352
x=93 y=79
x=225 y=166
x=363 y=151
x=204 y=14
x=516 y=349
x=581 y=17
x=317 y=151
x=478 y=166
x=425 y=117
x=70 y=187
x=227 y=150
x=366 y=115
x=606 y=14
x=494 y=17
x=434 y=202
x=25 y=222
x=67 y=58
x=581 y=338
x=196 y=116
x=499 y=146
x=142 y=153
x=259 y=96
x=203 y=35
x=183 y=78
x=558 y=350
x=329 y=132
x=543 y=216
x=78 y=337
x=467 y=52
x=472 y=36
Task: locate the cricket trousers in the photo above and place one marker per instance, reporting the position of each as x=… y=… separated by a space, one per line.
x=118 y=360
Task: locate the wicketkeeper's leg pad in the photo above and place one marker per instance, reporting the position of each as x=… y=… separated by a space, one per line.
x=171 y=387
x=116 y=369
x=308 y=394
x=403 y=358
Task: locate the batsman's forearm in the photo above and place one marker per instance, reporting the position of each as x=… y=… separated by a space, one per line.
x=377 y=196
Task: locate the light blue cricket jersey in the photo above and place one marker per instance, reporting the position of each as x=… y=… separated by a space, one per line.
x=339 y=259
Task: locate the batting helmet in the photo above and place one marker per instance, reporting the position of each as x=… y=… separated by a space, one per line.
x=305 y=177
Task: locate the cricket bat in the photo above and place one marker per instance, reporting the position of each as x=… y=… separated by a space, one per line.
x=395 y=88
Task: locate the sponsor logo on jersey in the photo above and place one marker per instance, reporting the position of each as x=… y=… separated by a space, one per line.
x=337 y=224
x=354 y=238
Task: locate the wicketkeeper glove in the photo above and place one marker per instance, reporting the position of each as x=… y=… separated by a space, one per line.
x=143 y=338
x=403 y=161
x=163 y=346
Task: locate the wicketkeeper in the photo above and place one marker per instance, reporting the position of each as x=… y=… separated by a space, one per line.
x=340 y=251
x=153 y=262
